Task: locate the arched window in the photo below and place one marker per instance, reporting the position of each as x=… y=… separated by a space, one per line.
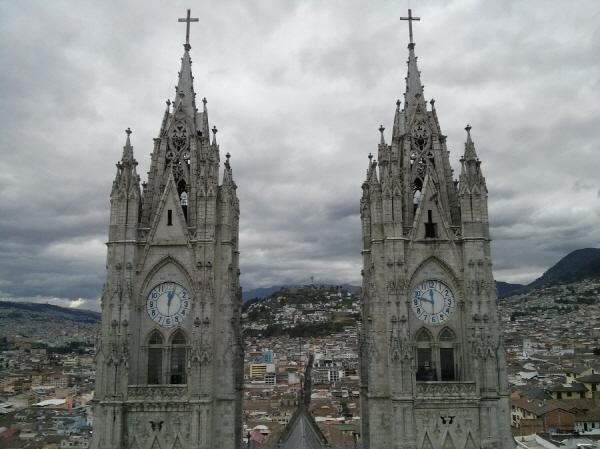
x=447 y=365
x=155 y=358
x=436 y=360
x=178 y=359
x=426 y=370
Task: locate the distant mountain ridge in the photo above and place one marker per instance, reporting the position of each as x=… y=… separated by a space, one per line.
x=504 y=288
x=266 y=291
x=576 y=266
x=574 y=263
x=18 y=309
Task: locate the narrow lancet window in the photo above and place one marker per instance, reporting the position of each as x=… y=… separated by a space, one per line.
x=447 y=363
x=155 y=359
x=425 y=363
x=184 y=203
x=430 y=226
x=178 y=359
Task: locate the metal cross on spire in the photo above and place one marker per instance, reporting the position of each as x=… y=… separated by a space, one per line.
x=188 y=19
x=410 y=19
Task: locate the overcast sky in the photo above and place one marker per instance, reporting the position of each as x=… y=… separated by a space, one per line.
x=298 y=90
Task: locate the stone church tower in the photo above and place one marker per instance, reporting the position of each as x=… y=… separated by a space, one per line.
x=433 y=367
x=169 y=360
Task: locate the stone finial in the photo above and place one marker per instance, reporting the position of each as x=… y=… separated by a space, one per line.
x=468 y=129
x=128 y=131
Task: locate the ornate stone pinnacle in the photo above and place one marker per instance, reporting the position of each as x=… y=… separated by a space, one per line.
x=370 y=156
x=381 y=129
x=468 y=129
x=128 y=131
x=204 y=101
x=215 y=130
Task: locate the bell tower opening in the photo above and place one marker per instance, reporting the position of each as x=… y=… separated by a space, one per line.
x=430 y=226
x=183 y=197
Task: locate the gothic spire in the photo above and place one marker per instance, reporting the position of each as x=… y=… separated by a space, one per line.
x=126 y=179
x=471 y=170
x=185 y=95
x=214 y=130
x=382 y=140
x=205 y=128
x=127 y=158
x=372 y=171
x=470 y=153
x=165 y=120
x=398 y=122
x=227 y=173
x=414 y=88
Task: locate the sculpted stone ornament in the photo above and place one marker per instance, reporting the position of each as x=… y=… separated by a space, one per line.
x=112 y=357
x=157 y=392
x=448 y=389
x=124 y=359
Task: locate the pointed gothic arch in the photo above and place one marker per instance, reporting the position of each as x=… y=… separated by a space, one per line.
x=150 y=277
x=426 y=369
x=134 y=443
x=444 y=265
x=446 y=334
x=424 y=335
x=178 y=337
x=436 y=357
x=155 y=337
x=448 y=443
x=427 y=441
x=167 y=358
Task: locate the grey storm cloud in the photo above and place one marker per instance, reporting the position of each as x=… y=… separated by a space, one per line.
x=297 y=91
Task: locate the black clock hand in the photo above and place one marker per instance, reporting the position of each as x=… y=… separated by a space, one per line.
x=170 y=297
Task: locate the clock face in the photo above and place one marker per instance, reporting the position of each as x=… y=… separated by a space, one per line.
x=433 y=302
x=168 y=304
